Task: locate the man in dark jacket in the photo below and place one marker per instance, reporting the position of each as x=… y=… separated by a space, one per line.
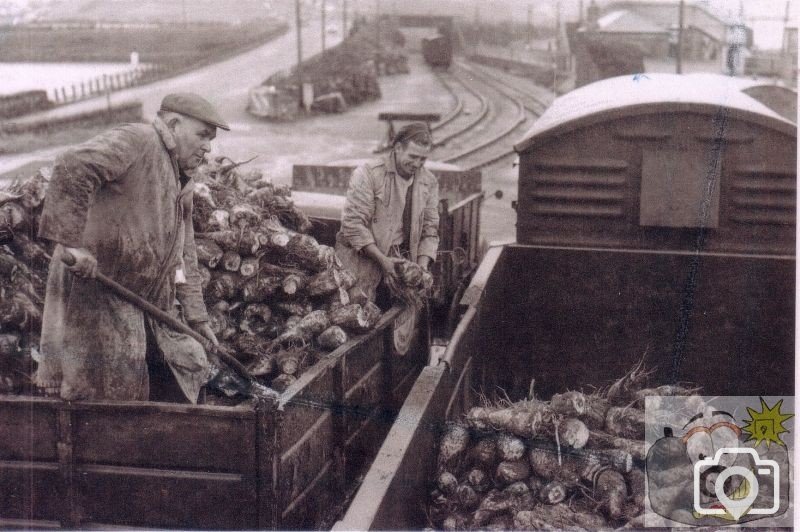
x=121 y=204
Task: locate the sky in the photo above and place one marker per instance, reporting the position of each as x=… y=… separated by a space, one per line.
x=767 y=33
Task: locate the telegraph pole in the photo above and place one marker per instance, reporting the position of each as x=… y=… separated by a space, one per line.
x=299 y=50
x=530 y=22
x=378 y=23
x=344 y=19
x=322 y=2
x=679 y=51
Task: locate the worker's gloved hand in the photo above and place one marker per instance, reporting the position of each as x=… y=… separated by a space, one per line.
x=85 y=264
x=204 y=329
x=427 y=281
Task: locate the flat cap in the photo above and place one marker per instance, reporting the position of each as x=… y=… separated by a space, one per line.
x=417 y=132
x=195 y=106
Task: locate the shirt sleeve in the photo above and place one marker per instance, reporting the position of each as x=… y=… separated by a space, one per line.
x=429 y=240
x=359 y=209
x=77 y=175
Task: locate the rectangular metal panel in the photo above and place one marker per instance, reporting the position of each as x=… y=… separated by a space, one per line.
x=680 y=188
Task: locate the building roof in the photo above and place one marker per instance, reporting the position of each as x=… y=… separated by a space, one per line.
x=645 y=94
x=624 y=21
x=665 y=15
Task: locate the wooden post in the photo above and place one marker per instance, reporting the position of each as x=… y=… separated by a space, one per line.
x=322 y=3
x=74 y=93
x=298 y=22
x=530 y=23
x=63 y=94
x=344 y=19
x=266 y=422
x=378 y=23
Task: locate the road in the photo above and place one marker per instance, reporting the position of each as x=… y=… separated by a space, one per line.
x=225 y=84
x=277 y=145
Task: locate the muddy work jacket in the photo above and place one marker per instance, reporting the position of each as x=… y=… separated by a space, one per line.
x=367 y=219
x=120 y=196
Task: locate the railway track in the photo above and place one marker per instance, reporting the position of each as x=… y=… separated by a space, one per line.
x=478 y=141
x=472 y=107
x=522 y=89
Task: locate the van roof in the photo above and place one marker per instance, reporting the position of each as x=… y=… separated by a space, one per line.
x=622 y=96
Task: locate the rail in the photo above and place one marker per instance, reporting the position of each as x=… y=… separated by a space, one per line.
x=454 y=112
x=484 y=110
x=519 y=120
x=540 y=106
x=532 y=106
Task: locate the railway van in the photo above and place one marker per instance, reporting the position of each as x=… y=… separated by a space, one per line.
x=438 y=51
x=655 y=223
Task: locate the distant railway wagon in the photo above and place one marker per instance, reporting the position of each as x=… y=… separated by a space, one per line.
x=438 y=51
x=655 y=222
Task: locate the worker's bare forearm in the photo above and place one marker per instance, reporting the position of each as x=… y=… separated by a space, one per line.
x=372 y=251
x=424 y=261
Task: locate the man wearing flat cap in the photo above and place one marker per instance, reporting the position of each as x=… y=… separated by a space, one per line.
x=391 y=211
x=121 y=204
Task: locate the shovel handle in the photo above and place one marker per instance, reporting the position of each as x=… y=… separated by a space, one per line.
x=162 y=316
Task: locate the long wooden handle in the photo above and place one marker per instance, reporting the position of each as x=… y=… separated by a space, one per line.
x=163 y=317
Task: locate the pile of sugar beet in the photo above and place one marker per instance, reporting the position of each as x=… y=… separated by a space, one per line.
x=573 y=462
x=277 y=299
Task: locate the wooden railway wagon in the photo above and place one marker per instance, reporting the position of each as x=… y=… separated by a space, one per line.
x=654 y=220
x=438 y=51
x=284 y=464
x=288 y=464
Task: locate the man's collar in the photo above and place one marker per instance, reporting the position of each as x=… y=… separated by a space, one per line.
x=391 y=167
x=166 y=135
x=184 y=178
